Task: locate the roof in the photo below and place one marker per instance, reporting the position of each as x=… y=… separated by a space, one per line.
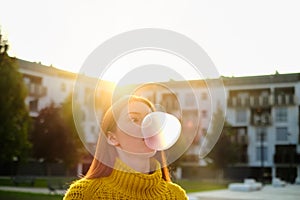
x=38 y=67
x=262 y=79
x=244 y=80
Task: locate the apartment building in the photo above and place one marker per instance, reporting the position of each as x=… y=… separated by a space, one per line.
x=263 y=110
x=47 y=85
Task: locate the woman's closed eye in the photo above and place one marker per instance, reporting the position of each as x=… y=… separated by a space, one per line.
x=135 y=119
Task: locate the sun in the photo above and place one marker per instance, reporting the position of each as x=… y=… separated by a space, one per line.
x=146 y=66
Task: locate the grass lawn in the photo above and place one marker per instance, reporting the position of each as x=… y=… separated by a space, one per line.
x=39 y=181
x=198 y=186
x=28 y=196
x=188 y=185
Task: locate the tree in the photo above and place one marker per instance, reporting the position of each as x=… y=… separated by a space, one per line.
x=72 y=158
x=14 y=115
x=225 y=150
x=55 y=137
x=47 y=135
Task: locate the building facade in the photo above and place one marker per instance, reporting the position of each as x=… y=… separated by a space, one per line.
x=263 y=110
x=47 y=85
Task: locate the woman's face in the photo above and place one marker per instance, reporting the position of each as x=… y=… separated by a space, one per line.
x=128 y=135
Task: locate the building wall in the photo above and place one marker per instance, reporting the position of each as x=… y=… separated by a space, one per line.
x=271 y=139
x=48 y=85
x=56 y=88
x=197 y=102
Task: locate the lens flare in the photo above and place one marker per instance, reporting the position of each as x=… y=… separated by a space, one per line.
x=162 y=133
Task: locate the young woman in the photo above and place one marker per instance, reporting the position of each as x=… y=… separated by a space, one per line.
x=123 y=166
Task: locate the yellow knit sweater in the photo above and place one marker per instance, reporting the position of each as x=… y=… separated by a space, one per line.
x=126 y=185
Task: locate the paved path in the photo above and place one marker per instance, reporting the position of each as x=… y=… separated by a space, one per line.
x=31 y=190
x=268 y=192
x=289 y=192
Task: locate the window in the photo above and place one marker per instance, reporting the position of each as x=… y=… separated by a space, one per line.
x=26 y=80
x=63 y=87
x=88 y=96
x=261 y=134
x=189 y=123
x=281 y=115
x=93 y=129
x=241 y=115
x=204 y=113
x=33 y=105
x=169 y=102
x=204 y=96
x=190 y=99
x=281 y=134
x=242 y=135
x=261 y=151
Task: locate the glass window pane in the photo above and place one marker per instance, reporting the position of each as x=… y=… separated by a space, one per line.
x=261 y=151
x=281 y=134
x=281 y=115
x=241 y=115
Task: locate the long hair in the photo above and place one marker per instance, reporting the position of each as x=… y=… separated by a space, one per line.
x=106 y=154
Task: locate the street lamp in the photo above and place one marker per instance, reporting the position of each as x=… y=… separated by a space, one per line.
x=291 y=158
x=262 y=137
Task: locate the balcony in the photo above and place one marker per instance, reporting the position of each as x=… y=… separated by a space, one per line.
x=36 y=90
x=261 y=118
x=252 y=101
x=284 y=99
x=262 y=101
x=238 y=102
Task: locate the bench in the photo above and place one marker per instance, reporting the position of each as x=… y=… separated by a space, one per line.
x=247 y=186
x=17 y=180
x=54 y=185
x=277 y=182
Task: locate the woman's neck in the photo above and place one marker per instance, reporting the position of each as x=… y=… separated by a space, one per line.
x=140 y=162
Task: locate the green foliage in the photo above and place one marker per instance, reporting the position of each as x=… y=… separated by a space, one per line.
x=14 y=115
x=48 y=134
x=74 y=140
x=28 y=196
x=40 y=182
x=225 y=150
x=200 y=186
x=55 y=137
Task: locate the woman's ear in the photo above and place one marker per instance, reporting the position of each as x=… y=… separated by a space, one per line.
x=112 y=139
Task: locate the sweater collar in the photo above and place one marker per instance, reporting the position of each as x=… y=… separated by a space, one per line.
x=125 y=178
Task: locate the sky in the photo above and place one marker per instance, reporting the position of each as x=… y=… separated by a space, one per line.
x=242 y=37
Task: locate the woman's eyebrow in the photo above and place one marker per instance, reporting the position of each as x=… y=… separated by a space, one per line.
x=136 y=113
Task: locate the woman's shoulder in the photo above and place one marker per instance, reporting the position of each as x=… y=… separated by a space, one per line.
x=80 y=189
x=177 y=190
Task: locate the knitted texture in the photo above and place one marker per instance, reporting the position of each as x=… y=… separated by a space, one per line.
x=126 y=184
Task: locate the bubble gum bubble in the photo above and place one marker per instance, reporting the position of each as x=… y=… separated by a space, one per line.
x=160 y=130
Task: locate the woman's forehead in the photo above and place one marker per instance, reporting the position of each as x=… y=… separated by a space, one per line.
x=136 y=107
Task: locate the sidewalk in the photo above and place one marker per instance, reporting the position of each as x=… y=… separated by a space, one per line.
x=289 y=192
x=31 y=190
x=268 y=192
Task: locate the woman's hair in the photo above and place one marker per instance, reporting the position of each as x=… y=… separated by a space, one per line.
x=106 y=154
